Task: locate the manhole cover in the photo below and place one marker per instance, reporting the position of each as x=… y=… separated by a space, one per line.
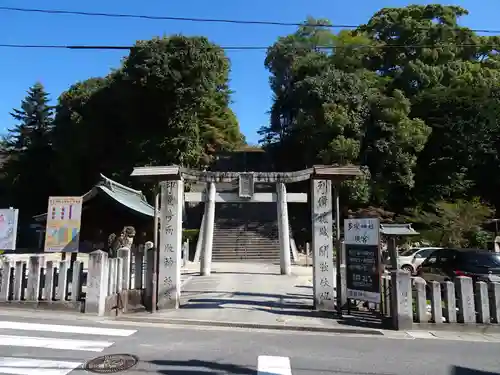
x=110 y=364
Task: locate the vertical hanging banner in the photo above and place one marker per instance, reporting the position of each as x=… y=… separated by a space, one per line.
x=362 y=245
x=64 y=216
x=8 y=228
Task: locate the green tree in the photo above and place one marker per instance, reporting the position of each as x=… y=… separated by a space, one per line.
x=328 y=104
x=26 y=176
x=411 y=95
x=167 y=104
x=455 y=223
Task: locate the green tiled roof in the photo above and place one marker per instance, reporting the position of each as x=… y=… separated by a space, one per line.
x=397 y=230
x=125 y=196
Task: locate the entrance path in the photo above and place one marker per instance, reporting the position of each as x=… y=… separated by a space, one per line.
x=251 y=294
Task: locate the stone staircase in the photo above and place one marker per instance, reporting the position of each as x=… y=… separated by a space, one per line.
x=246 y=232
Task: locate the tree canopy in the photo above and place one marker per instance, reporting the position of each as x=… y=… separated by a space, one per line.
x=411 y=96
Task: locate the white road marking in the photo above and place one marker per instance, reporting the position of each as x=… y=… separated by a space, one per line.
x=66 y=329
x=30 y=366
x=268 y=365
x=53 y=343
x=421 y=334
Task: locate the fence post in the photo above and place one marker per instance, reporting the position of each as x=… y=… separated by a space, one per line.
x=112 y=275
x=48 y=290
x=119 y=274
x=62 y=281
x=421 y=300
x=150 y=253
x=465 y=291
x=6 y=281
x=436 y=303
x=308 y=252
x=97 y=283
x=138 y=268
x=76 y=281
x=401 y=300
x=19 y=274
x=124 y=253
x=450 y=310
x=494 y=289
x=33 y=285
x=482 y=302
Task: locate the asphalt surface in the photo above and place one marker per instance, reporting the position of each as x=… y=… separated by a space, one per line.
x=51 y=346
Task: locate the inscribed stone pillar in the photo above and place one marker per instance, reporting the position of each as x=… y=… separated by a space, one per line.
x=169 y=265
x=284 y=229
x=322 y=244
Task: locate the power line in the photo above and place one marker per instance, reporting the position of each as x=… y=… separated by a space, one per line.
x=194 y=19
x=160 y=18
x=104 y=47
x=251 y=48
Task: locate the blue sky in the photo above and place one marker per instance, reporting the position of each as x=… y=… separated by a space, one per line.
x=58 y=69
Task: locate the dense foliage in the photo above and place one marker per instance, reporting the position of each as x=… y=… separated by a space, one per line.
x=411 y=96
x=168 y=103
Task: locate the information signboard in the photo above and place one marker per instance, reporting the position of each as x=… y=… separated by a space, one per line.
x=362 y=239
x=63 y=224
x=362 y=272
x=8 y=228
x=362 y=231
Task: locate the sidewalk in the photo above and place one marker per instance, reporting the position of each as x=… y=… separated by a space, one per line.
x=255 y=296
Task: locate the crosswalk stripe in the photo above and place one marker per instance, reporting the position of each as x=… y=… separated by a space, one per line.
x=54 y=343
x=31 y=366
x=273 y=365
x=66 y=329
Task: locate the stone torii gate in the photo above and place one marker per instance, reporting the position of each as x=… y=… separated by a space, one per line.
x=324 y=185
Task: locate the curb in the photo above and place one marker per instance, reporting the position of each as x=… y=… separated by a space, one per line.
x=280 y=327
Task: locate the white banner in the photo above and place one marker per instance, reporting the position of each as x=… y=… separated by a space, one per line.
x=362 y=231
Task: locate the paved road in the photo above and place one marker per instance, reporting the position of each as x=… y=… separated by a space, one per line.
x=59 y=347
x=34 y=346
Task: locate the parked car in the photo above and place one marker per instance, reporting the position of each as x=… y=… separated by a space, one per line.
x=410 y=259
x=446 y=264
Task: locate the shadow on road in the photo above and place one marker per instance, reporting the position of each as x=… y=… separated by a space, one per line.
x=457 y=370
x=236 y=272
x=195 y=367
x=197 y=303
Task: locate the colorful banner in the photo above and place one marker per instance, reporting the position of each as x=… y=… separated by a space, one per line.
x=63 y=224
x=8 y=228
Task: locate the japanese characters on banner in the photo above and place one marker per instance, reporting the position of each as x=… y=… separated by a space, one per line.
x=362 y=238
x=362 y=232
x=322 y=244
x=64 y=216
x=8 y=228
x=170 y=244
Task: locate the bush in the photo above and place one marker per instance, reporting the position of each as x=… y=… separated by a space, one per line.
x=191 y=235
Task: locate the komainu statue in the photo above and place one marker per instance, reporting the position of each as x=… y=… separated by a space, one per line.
x=123 y=239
